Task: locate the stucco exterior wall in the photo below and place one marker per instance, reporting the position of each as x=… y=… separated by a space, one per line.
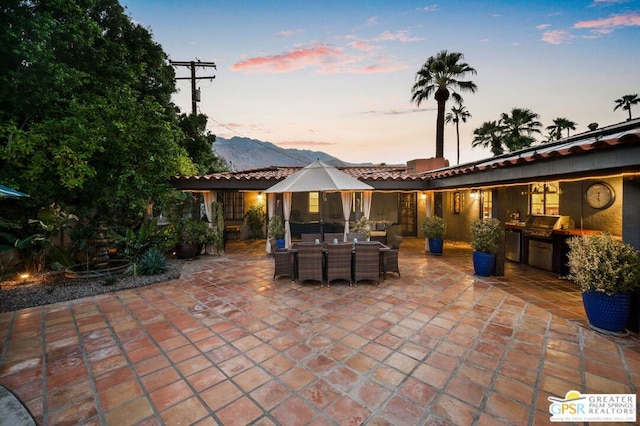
x=573 y=204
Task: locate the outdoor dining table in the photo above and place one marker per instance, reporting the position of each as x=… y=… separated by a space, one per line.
x=294 y=252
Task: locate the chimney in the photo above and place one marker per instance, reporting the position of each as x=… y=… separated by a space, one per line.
x=425 y=164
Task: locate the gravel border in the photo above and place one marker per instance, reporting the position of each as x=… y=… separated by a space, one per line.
x=54 y=287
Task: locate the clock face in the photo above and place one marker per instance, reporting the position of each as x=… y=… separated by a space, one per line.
x=599 y=195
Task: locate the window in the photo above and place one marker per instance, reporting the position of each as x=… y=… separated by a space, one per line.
x=545 y=198
x=314 y=202
x=487 y=204
x=233 y=205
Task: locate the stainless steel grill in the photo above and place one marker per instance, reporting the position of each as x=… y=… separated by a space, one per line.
x=538 y=236
x=543 y=226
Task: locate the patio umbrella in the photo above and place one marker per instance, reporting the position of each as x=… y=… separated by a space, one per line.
x=316 y=177
x=7 y=192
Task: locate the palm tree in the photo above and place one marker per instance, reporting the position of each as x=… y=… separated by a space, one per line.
x=439 y=75
x=518 y=128
x=489 y=135
x=457 y=113
x=560 y=124
x=625 y=103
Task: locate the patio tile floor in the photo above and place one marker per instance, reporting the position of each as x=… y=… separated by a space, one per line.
x=226 y=344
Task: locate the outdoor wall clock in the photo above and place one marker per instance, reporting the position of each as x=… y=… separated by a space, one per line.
x=600 y=195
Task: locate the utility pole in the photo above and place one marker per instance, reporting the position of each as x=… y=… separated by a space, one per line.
x=192 y=65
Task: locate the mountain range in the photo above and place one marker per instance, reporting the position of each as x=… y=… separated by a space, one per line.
x=244 y=153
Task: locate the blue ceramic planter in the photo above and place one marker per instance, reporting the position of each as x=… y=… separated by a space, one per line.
x=435 y=246
x=484 y=263
x=608 y=313
x=280 y=243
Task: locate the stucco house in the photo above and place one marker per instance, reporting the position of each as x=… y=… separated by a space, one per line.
x=553 y=179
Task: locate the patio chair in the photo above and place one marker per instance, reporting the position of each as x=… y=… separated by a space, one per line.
x=360 y=236
x=390 y=257
x=311 y=238
x=330 y=236
x=283 y=262
x=339 y=262
x=367 y=263
x=310 y=263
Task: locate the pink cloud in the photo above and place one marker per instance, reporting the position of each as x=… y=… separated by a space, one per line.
x=401 y=36
x=362 y=45
x=382 y=67
x=556 y=37
x=290 y=61
x=611 y=23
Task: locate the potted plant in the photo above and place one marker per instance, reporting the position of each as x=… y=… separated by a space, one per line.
x=434 y=229
x=607 y=270
x=192 y=235
x=275 y=229
x=485 y=238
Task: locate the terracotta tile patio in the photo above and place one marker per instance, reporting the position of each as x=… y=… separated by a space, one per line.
x=226 y=344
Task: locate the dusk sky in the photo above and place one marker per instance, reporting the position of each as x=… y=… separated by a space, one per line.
x=336 y=76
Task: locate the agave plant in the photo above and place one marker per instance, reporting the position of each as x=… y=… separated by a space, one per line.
x=152 y=262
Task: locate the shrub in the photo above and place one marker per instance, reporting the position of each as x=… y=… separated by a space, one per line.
x=152 y=262
x=255 y=218
x=275 y=229
x=362 y=226
x=599 y=262
x=434 y=227
x=486 y=235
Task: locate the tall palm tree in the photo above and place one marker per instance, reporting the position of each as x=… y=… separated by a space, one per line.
x=457 y=114
x=489 y=135
x=440 y=74
x=625 y=103
x=519 y=128
x=560 y=124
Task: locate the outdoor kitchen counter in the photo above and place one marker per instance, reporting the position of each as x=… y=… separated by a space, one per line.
x=575 y=231
x=515 y=225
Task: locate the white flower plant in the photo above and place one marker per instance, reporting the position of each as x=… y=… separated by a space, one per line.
x=600 y=262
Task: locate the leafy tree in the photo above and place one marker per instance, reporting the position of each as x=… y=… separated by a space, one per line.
x=456 y=115
x=199 y=144
x=439 y=75
x=489 y=135
x=518 y=128
x=85 y=113
x=560 y=124
x=626 y=102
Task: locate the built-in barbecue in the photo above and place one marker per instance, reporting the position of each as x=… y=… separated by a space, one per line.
x=537 y=242
x=543 y=226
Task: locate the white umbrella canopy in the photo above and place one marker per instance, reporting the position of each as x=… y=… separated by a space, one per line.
x=319 y=176
x=316 y=177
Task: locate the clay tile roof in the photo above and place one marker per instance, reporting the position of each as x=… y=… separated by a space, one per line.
x=605 y=138
x=277 y=173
